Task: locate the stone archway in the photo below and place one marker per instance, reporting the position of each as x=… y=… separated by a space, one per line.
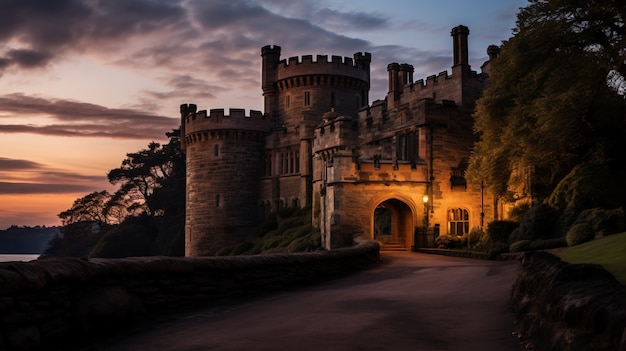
x=393 y=223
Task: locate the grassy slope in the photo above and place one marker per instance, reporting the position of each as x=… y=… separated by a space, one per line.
x=610 y=252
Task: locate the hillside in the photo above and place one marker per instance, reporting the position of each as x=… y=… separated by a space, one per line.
x=26 y=240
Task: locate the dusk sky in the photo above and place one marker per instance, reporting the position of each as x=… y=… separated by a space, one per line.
x=83 y=82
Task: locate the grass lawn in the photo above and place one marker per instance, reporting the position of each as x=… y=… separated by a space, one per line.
x=610 y=252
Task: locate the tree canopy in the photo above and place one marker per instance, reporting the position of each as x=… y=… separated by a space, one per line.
x=144 y=216
x=555 y=97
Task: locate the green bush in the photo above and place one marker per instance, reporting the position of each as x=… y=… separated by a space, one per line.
x=588 y=185
x=450 y=242
x=539 y=222
x=545 y=244
x=517 y=212
x=519 y=246
x=499 y=231
x=579 y=233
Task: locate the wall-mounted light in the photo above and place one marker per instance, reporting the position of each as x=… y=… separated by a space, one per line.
x=425 y=198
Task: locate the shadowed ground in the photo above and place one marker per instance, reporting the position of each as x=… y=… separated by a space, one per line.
x=411 y=301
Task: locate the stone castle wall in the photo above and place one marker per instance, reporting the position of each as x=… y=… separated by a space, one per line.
x=49 y=303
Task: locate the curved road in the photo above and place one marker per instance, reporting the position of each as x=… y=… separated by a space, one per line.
x=410 y=301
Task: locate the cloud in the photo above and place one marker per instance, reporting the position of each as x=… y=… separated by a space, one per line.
x=80 y=119
x=40 y=31
x=7 y=188
x=29 y=177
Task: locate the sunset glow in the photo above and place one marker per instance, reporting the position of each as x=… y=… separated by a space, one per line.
x=76 y=98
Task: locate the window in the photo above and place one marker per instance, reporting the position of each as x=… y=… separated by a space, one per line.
x=297 y=161
x=216 y=150
x=458 y=221
x=287 y=101
x=307 y=98
x=218 y=200
x=407 y=147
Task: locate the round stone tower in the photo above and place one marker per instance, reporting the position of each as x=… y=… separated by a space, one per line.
x=223 y=154
x=300 y=89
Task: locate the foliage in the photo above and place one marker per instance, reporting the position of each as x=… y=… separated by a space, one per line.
x=145 y=216
x=517 y=212
x=538 y=223
x=76 y=240
x=130 y=239
x=499 y=231
x=546 y=244
x=519 y=246
x=607 y=251
x=593 y=221
x=286 y=231
x=541 y=244
x=589 y=185
x=579 y=233
x=552 y=101
x=450 y=242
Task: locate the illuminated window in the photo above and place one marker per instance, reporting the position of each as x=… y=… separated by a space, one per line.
x=458 y=221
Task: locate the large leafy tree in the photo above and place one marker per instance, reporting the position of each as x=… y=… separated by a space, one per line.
x=145 y=216
x=143 y=173
x=554 y=97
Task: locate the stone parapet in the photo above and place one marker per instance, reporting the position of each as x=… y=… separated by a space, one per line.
x=47 y=302
x=568 y=307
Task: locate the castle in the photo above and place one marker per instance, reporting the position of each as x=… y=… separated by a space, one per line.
x=320 y=144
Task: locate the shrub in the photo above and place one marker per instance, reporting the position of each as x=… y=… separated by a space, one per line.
x=601 y=220
x=545 y=244
x=517 y=212
x=588 y=185
x=579 y=233
x=473 y=239
x=539 y=222
x=499 y=231
x=449 y=242
x=519 y=246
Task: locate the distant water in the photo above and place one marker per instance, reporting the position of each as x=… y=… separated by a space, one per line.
x=18 y=257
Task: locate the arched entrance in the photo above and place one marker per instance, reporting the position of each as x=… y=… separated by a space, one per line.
x=393 y=223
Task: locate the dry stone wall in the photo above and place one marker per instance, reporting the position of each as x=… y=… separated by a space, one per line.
x=47 y=302
x=561 y=306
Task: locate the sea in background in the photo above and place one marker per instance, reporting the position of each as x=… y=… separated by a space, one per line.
x=18 y=257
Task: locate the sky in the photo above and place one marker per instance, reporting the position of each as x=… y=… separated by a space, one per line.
x=84 y=82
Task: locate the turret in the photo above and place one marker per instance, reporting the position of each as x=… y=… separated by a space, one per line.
x=269 y=75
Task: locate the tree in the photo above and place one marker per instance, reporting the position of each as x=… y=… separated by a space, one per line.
x=554 y=96
x=144 y=172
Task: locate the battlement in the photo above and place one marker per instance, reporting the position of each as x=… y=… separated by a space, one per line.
x=356 y=67
x=216 y=119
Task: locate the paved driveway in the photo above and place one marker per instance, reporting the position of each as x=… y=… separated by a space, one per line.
x=411 y=301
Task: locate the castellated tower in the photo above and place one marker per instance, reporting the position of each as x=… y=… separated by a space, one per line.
x=223 y=154
x=301 y=89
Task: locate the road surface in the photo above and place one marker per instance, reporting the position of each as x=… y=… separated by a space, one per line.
x=411 y=301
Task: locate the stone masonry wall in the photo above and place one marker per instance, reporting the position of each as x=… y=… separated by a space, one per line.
x=567 y=307
x=47 y=302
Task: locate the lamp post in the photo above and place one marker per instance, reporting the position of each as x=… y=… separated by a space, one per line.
x=425 y=199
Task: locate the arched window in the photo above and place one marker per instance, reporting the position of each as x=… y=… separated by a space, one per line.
x=458 y=221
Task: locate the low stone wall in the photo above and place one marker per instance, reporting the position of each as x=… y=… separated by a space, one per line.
x=45 y=302
x=567 y=307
